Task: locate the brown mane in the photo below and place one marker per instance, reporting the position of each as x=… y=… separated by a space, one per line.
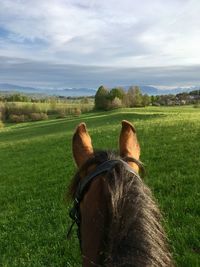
x=133 y=236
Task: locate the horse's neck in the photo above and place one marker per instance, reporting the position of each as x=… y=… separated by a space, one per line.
x=94 y=219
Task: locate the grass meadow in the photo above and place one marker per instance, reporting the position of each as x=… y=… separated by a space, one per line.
x=36 y=166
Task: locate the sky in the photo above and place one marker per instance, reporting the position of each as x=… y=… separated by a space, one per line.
x=86 y=43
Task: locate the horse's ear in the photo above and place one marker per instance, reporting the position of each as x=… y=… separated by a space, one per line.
x=81 y=145
x=128 y=143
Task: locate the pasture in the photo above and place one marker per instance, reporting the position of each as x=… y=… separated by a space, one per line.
x=36 y=166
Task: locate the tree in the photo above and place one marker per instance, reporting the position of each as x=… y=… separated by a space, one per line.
x=117 y=92
x=101 y=98
x=146 y=100
x=134 y=97
x=195 y=92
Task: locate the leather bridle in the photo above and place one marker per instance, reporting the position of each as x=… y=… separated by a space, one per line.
x=104 y=167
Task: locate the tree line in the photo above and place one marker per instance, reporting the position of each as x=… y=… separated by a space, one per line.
x=106 y=99
x=184 y=98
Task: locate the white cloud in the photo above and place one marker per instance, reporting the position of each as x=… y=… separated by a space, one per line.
x=113 y=33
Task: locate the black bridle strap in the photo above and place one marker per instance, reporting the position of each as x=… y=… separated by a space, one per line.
x=104 y=167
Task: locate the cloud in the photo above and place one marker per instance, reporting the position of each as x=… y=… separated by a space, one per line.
x=50 y=75
x=125 y=33
x=74 y=43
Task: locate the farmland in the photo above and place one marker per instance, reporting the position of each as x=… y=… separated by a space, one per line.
x=36 y=166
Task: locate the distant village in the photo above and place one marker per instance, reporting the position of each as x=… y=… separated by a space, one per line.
x=190 y=98
x=117 y=97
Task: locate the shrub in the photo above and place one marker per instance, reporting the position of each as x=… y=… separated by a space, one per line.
x=13 y=109
x=25 y=110
x=115 y=103
x=1 y=124
x=38 y=116
x=197 y=105
x=85 y=109
x=61 y=113
x=20 y=109
x=77 y=111
x=2 y=111
x=16 y=118
x=156 y=104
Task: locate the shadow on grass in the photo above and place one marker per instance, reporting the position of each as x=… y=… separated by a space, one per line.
x=94 y=120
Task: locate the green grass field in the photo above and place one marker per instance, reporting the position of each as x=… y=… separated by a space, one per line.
x=36 y=166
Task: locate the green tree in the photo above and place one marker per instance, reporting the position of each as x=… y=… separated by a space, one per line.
x=117 y=92
x=101 y=98
x=146 y=100
x=134 y=97
x=153 y=99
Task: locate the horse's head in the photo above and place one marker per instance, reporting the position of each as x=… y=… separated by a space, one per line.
x=118 y=222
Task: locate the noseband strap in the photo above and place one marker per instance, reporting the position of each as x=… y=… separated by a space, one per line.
x=104 y=167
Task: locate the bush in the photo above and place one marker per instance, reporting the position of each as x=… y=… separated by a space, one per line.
x=77 y=111
x=197 y=105
x=85 y=109
x=16 y=118
x=20 y=109
x=115 y=103
x=2 y=111
x=1 y=124
x=13 y=109
x=156 y=104
x=38 y=116
x=61 y=113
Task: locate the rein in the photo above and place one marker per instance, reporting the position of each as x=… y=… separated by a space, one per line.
x=104 y=167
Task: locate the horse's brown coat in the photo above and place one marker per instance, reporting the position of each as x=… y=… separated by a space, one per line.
x=120 y=222
x=128 y=143
x=82 y=145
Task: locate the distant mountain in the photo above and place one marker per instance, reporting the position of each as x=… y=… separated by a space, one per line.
x=57 y=92
x=150 y=90
x=13 y=87
x=79 y=92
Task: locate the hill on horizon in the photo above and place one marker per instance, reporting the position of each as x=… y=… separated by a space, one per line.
x=77 y=92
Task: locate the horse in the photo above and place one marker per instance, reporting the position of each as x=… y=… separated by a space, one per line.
x=119 y=222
